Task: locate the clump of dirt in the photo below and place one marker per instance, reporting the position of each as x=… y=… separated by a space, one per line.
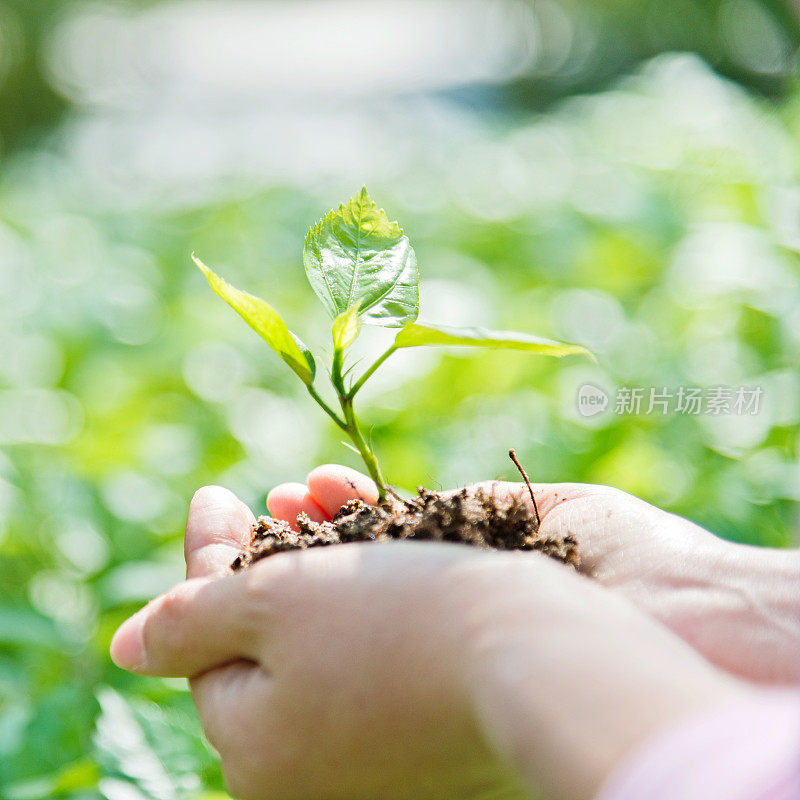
x=479 y=518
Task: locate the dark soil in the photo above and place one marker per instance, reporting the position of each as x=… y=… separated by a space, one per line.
x=477 y=518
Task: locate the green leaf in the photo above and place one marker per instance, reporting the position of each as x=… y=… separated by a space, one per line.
x=355 y=254
x=266 y=322
x=417 y=335
x=345 y=328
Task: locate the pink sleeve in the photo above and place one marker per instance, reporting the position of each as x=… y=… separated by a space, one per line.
x=746 y=751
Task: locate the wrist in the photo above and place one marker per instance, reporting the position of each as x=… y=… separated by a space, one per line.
x=758 y=612
x=566 y=679
x=738 y=605
x=750 y=741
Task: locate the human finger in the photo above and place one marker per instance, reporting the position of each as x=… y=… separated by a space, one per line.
x=287 y=500
x=198 y=625
x=217 y=528
x=332 y=485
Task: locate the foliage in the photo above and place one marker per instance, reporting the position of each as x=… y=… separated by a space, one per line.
x=357 y=258
x=267 y=323
x=363 y=269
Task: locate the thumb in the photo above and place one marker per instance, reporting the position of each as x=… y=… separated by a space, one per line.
x=198 y=625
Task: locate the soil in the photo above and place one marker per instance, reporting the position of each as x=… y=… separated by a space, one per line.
x=477 y=518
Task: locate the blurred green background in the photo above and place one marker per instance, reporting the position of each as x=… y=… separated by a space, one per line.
x=621 y=174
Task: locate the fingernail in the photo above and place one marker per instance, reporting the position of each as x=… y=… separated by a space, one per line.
x=127 y=646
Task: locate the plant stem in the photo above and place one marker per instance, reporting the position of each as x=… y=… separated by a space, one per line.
x=354 y=432
x=363 y=379
x=326 y=408
x=351 y=425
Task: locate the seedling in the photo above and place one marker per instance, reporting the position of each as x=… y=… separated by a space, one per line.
x=364 y=270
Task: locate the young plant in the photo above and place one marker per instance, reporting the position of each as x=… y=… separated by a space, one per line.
x=364 y=270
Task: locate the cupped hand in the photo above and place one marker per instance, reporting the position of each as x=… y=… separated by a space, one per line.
x=737 y=605
x=326 y=674
x=403 y=670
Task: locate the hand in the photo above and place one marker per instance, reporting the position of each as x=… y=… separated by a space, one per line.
x=406 y=670
x=737 y=605
x=314 y=675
